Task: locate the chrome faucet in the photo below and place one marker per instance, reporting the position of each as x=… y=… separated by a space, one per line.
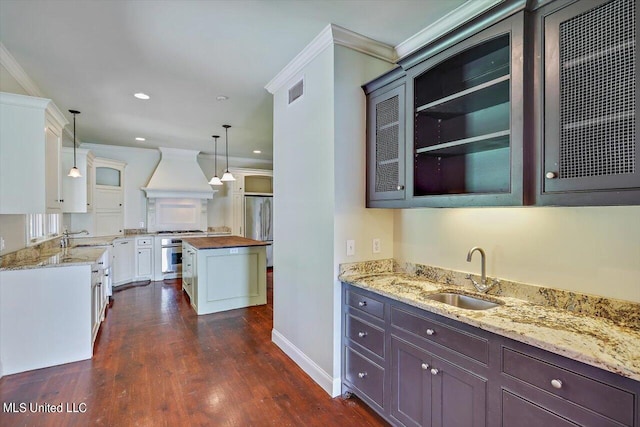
x=64 y=242
x=484 y=285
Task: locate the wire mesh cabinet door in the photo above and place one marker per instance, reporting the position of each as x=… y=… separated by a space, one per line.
x=590 y=148
x=385 y=146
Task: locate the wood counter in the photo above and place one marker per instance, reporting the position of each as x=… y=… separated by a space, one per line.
x=220 y=242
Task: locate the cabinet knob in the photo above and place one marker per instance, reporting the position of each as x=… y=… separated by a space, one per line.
x=400 y=187
x=551 y=175
x=362 y=334
x=556 y=383
x=431 y=332
x=362 y=374
x=424 y=366
x=362 y=303
x=120 y=204
x=434 y=371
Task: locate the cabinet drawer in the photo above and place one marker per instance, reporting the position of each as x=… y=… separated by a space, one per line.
x=144 y=242
x=517 y=411
x=365 y=334
x=591 y=394
x=365 y=375
x=461 y=342
x=366 y=304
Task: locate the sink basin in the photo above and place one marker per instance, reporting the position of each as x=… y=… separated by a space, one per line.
x=462 y=301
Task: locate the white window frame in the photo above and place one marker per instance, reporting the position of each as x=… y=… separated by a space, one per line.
x=42 y=227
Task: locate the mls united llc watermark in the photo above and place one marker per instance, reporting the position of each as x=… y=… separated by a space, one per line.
x=47 y=408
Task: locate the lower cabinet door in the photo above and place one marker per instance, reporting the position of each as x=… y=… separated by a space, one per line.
x=429 y=391
x=459 y=398
x=410 y=384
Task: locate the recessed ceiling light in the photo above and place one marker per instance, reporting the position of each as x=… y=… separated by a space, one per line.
x=140 y=139
x=222 y=98
x=257 y=151
x=141 y=95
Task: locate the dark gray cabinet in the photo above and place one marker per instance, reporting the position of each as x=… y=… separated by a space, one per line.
x=532 y=103
x=386 y=141
x=589 y=153
x=467 y=121
x=416 y=368
x=365 y=348
x=428 y=390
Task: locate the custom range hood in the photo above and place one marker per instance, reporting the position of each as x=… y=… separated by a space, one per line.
x=177 y=192
x=178 y=175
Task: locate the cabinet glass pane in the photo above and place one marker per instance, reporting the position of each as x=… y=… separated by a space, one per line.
x=108 y=176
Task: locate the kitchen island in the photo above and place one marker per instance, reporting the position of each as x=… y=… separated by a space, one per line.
x=224 y=273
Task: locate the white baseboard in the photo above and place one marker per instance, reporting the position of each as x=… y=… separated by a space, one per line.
x=331 y=385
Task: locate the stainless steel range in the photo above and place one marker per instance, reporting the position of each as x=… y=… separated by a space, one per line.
x=171 y=250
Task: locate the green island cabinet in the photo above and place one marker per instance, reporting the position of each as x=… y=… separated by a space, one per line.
x=525 y=105
x=417 y=368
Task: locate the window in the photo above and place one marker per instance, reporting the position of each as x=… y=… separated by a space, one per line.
x=42 y=227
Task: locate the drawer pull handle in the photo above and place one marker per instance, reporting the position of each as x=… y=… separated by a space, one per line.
x=362 y=303
x=556 y=383
x=434 y=371
x=362 y=334
x=431 y=332
x=362 y=374
x=424 y=366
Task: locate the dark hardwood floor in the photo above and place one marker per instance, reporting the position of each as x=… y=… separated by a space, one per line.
x=156 y=363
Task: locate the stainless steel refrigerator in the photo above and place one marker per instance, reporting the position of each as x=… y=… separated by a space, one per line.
x=258 y=221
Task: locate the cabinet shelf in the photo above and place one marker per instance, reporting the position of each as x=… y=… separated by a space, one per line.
x=492 y=141
x=626 y=115
x=617 y=49
x=485 y=95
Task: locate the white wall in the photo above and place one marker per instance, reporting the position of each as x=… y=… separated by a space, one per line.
x=592 y=250
x=319 y=172
x=303 y=220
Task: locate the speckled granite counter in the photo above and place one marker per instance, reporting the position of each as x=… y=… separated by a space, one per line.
x=55 y=258
x=222 y=242
x=597 y=331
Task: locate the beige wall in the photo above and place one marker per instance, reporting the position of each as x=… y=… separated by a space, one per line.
x=592 y=250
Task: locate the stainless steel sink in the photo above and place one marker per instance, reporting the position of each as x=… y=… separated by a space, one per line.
x=462 y=301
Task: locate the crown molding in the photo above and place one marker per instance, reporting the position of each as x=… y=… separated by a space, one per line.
x=331 y=35
x=90 y=145
x=209 y=156
x=17 y=72
x=463 y=13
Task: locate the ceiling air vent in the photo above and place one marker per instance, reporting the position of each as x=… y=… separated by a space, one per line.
x=296 y=91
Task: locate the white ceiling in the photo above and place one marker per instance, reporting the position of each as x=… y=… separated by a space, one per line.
x=93 y=55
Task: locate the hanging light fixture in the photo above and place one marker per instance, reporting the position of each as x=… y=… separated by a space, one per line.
x=227 y=175
x=74 y=172
x=215 y=180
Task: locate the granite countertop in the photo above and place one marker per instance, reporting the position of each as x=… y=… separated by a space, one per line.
x=60 y=257
x=609 y=342
x=221 y=242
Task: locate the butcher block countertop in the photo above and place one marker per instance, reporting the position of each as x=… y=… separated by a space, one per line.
x=221 y=242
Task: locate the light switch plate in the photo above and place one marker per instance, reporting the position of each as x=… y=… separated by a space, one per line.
x=141 y=225
x=351 y=247
x=1 y=243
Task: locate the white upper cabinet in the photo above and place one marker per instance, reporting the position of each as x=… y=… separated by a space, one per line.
x=30 y=144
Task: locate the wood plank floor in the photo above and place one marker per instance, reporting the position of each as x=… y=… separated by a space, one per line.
x=157 y=363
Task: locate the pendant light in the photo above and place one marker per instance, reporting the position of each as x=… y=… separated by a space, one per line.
x=215 y=180
x=227 y=175
x=74 y=172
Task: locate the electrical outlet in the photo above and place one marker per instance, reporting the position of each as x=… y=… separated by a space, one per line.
x=376 y=246
x=141 y=225
x=351 y=247
x=1 y=243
